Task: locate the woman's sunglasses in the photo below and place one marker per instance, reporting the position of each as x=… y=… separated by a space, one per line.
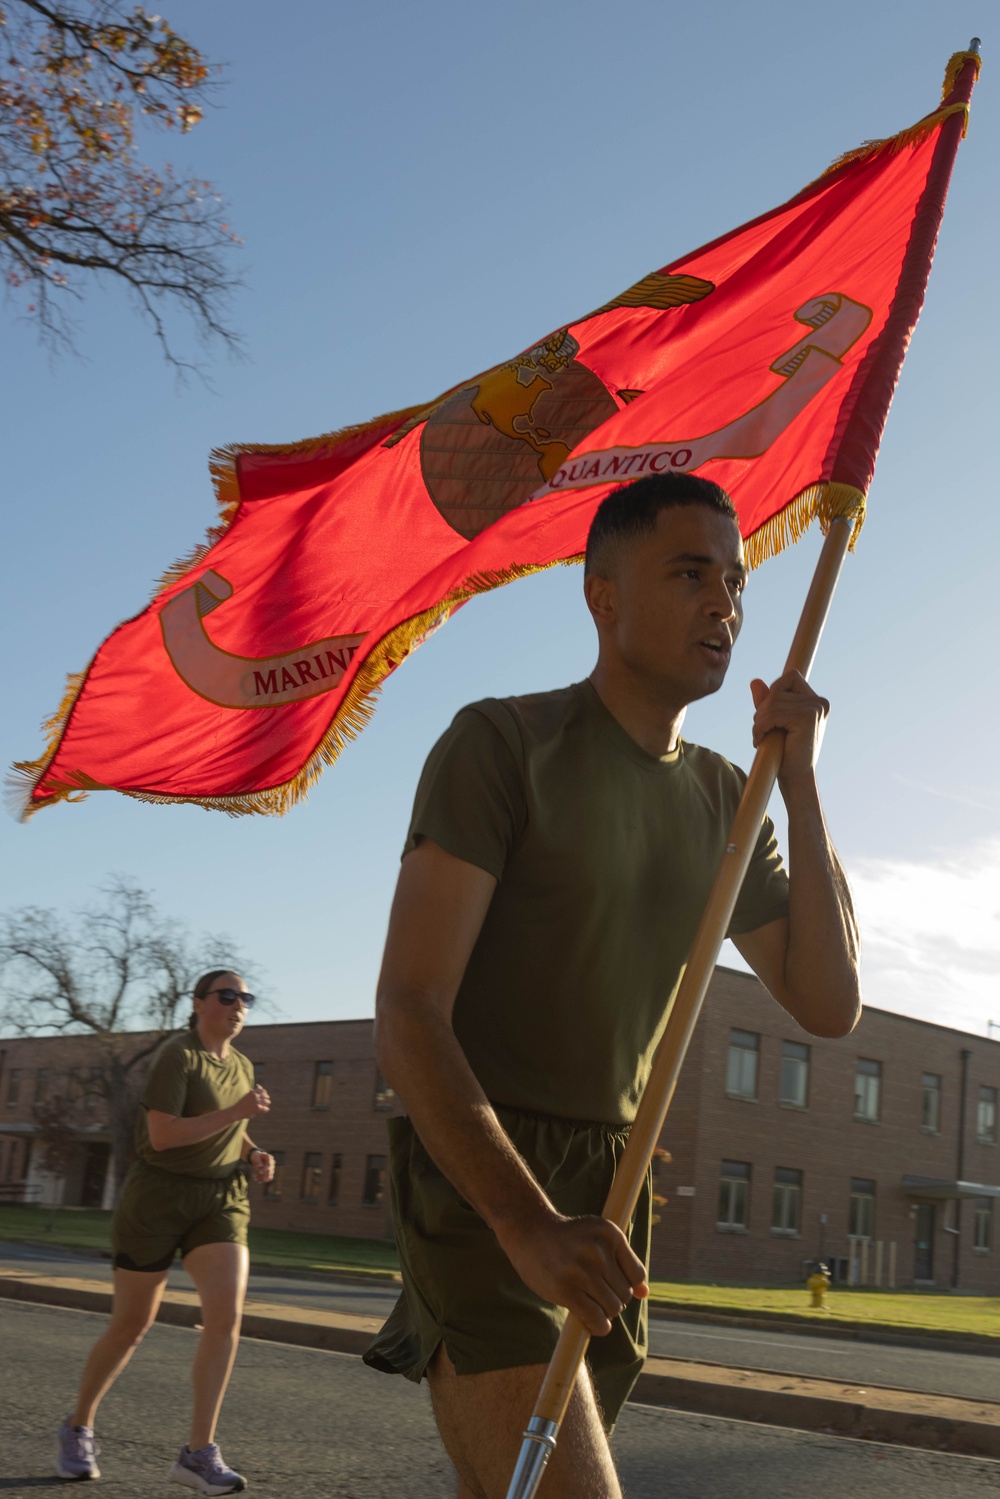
x=230 y=996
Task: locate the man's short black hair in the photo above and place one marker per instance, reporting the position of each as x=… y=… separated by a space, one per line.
x=631 y=511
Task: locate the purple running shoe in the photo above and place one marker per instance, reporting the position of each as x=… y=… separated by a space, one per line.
x=205 y=1471
x=76 y=1454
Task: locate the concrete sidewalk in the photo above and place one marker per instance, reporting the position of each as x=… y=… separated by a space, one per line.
x=907 y=1417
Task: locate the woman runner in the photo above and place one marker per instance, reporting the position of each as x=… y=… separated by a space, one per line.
x=187 y=1191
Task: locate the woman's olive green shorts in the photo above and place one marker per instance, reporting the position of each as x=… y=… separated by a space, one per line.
x=160 y=1212
x=459 y=1288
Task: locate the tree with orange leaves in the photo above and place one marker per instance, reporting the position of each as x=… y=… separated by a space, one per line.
x=76 y=201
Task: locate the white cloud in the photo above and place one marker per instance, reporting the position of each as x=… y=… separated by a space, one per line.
x=930 y=934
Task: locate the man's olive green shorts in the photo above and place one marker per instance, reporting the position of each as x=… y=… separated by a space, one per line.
x=459 y=1288
x=160 y=1212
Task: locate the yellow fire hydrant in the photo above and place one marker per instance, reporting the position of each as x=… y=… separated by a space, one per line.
x=818 y=1284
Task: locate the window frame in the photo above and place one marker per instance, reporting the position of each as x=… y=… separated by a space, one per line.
x=322 y=1089
x=788 y=1191
x=931 y=1086
x=987 y=1095
x=95 y=1089
x=982 y=1219
x=861 y=1205
x=804 y=1062
x=333 y=1186
x=312 y=1166
x=735 y=1183
x=873 y=1084
x=736 y=1050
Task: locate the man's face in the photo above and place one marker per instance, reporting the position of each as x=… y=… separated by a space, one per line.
x=673 y=610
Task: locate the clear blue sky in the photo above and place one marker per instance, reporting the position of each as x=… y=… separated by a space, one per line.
x=422 y=191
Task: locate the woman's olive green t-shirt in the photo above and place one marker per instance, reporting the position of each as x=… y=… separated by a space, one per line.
x=186 y=1080
x=604 y=857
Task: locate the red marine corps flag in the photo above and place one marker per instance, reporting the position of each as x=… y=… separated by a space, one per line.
x=765 y=361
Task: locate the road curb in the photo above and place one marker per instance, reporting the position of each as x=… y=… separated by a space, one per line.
x=904 y=1417
x=927 y=1338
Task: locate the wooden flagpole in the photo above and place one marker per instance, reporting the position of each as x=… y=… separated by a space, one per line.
x=859 y=442
x=540 y=1437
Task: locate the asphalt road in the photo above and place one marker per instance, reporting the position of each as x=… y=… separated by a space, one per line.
x=322 y=1426
x=970 y=1375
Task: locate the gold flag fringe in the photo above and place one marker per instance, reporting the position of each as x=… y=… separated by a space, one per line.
x=24 y=775
x=913 y=134
x=825 y=502
x=953 y=68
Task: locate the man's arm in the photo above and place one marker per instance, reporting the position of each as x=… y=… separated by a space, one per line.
x=584 y=1264
x=809 y=961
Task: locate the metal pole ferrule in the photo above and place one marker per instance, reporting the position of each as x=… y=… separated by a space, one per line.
x=537 y=1447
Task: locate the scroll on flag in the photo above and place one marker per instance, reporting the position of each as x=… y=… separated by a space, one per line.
x=765 y=361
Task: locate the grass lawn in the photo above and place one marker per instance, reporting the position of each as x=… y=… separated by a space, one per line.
x=80 y=1228
x=83 y=1228
x=898 y=1310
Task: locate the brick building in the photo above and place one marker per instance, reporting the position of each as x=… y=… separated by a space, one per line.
x=878 y=1152
x=326 y=1129
x=787 y=1148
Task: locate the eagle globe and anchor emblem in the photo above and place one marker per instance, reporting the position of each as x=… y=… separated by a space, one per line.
x=490 y=446
x=485 y=449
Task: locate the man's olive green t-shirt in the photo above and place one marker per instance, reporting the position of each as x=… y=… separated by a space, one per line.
x=186 y=1080
x=604 y=857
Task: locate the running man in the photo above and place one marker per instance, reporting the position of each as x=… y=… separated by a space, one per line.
x=558 y=861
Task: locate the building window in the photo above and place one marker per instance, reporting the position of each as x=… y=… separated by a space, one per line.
x=333 y=1193
x=741 y=1068
x=982 y=1227
x=861 y=1218
x=42 y=1084
x=794 y=1085
x=273 y=1187
x=14 y=1087
x=95 y=1090
x=986 y=1117
x=786 y=1212
x=311 y=1172
x=734 y=1196
x=385 y=1096
x=867 y=1090
x=322 y=1085
x=375 y=1176
x=930 y=1107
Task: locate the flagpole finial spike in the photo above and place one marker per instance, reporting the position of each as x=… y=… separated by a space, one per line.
x=975 y=45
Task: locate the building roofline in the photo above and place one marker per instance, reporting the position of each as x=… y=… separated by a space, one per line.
x=878 y=1010
x=740 y=973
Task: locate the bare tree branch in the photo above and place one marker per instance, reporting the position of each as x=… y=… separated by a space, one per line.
x=76 y=202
